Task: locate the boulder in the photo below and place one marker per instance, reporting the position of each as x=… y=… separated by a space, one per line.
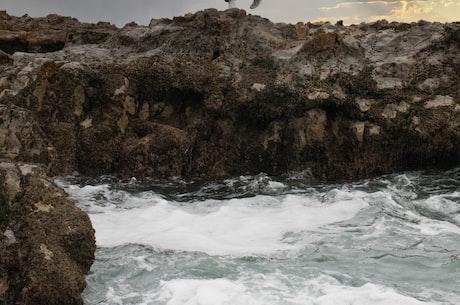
x=46 y=243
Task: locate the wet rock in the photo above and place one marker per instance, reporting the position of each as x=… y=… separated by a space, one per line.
x=46 y=243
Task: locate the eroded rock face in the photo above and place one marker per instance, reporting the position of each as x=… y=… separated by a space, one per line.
x=225 y=93
x=21 y=138
x=46 y=243
x=47 y=34
x=205 y=95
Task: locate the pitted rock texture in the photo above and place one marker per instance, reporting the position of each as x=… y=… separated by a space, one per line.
x=47 y=34
x=21 y=138
x=214 y=94
x=46 y=243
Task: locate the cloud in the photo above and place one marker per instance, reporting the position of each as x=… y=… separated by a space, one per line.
x=121 y=12
x=394 y=10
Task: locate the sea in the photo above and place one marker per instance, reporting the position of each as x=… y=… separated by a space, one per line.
x=262 y=240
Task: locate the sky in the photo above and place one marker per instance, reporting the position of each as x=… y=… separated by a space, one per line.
x=120 y=12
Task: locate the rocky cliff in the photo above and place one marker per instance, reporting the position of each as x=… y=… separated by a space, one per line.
x=225 y=93
x=205 y=95
x=47 y=244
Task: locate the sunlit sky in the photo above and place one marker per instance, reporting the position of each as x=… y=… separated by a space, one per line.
x=121 y=12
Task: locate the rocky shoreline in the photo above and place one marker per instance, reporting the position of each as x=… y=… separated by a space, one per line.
x=47 y=244
x=206 y=95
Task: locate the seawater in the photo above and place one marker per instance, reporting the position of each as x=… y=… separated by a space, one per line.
x=274 y=241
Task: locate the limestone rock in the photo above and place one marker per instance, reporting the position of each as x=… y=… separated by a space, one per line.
x=46 y=243
x=21 y=138
x=47 y=34
x=226 y=93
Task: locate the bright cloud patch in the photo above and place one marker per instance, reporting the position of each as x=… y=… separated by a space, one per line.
x=400 y=10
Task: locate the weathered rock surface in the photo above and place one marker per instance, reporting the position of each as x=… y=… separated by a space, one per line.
x=21 y=138
x=224 y=93
x=47 y=34
x=205 y=95
x=46 y=243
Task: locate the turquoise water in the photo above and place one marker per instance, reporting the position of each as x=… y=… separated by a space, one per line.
x=265 y=240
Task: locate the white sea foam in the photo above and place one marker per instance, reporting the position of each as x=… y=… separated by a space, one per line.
x=330 y=292
x=101 y=198
x=353 y=230
x=253 y=225
x=428 y=226
x=433 y=227
x=203 y=292
x=276 y=289
x=444 y=204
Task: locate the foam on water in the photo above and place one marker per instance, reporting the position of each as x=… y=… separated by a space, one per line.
x=244 y=226
x=431 y=227
x=274 y=289
x=251 y=241
x=203 y=292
